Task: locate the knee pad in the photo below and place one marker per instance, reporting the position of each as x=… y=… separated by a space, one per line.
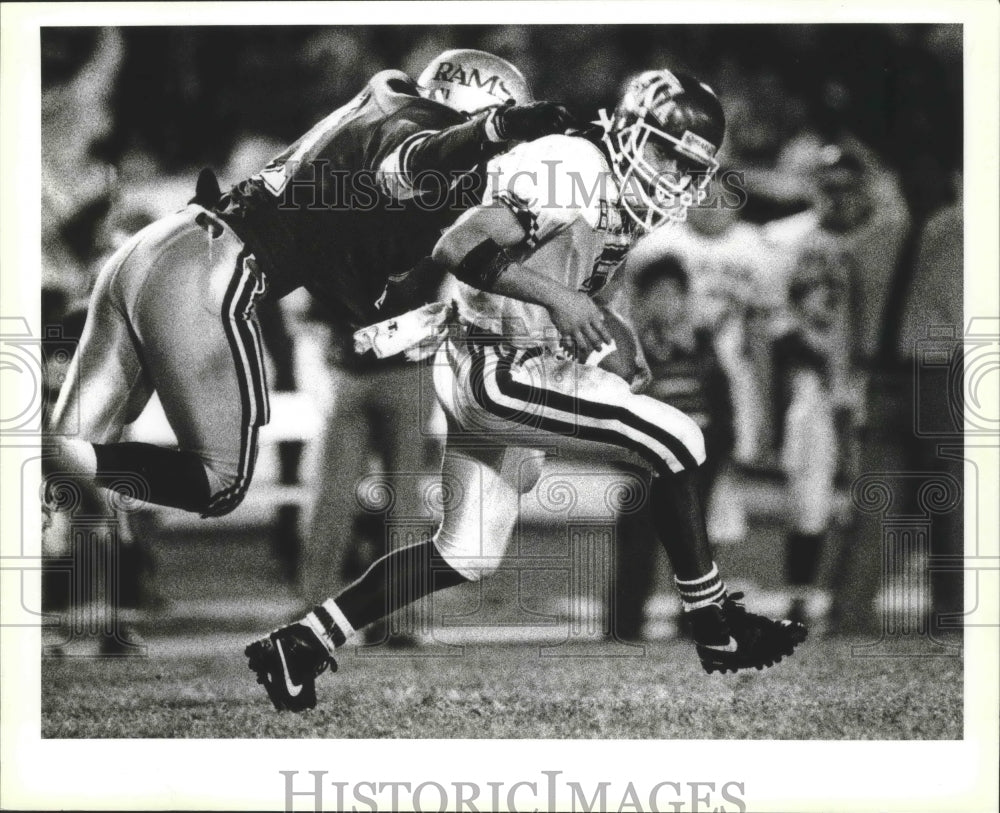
x=479 y=516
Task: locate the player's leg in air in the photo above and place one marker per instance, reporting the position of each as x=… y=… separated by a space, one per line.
x=501 y=401
x=172 y=312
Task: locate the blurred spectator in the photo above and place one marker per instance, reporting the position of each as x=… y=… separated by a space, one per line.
x=934 y=292
x=859 y=224
x=859 y=220
x=767 y=133
x=805 y=369
x=686 y=374
x=685 y=368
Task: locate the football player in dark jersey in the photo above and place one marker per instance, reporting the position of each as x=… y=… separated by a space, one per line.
x=346 y=212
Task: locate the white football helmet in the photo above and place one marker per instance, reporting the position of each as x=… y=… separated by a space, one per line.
x=662 y=141
x=469 y=81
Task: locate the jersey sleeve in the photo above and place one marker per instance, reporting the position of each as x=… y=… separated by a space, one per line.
x=550 y=183
x=423 y=143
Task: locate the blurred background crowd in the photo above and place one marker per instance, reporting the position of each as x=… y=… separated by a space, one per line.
x=786 y=315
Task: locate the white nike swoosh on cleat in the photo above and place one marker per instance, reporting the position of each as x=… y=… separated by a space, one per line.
x=293 y=689
x=730 y=646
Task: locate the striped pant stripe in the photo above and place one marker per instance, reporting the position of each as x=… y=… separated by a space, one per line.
x=245 y=345
x=503 y=396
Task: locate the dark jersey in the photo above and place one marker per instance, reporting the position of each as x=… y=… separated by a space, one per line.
x=361 y=197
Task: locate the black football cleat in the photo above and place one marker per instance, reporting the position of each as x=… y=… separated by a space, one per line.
x=287 y=663
x=729 y=639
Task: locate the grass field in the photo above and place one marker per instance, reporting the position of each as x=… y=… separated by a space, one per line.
x=201 y=688
x=194 y=682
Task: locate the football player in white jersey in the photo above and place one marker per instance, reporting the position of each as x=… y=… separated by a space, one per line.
x=557 y=219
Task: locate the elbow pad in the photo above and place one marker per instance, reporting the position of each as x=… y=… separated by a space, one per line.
x=482 y=266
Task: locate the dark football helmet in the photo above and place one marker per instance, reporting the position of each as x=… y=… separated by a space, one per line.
x=662 y=141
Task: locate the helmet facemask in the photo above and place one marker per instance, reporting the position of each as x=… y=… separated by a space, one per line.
x=660 y=175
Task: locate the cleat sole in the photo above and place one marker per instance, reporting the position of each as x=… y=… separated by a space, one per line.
x=712 y=665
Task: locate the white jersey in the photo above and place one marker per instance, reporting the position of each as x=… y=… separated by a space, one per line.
x=562 y=190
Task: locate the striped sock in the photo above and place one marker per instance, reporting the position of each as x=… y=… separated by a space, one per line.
x=700 y=592
x=330 y=624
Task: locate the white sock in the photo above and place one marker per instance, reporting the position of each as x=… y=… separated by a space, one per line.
x=330 y=624
x=700 y=592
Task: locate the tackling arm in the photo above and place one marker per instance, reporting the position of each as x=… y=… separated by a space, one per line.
x=460 y=147
x=419 y=162
x=426 y=157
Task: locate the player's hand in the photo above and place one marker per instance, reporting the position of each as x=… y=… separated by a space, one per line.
x=525 y=122
x=580 y=323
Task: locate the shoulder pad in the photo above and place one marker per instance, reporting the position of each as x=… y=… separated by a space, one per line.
x=573 y=153
x=390 y=89
x=556 y=178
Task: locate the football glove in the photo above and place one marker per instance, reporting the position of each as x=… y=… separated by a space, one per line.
x=526 y=122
